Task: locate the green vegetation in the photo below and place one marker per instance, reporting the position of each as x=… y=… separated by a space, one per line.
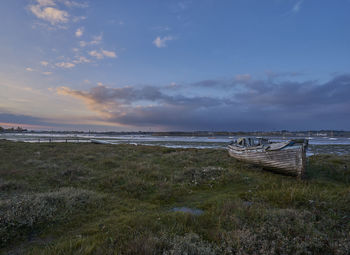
x=118 y=199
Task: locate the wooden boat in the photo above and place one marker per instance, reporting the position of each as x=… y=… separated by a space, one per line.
x=284 y=157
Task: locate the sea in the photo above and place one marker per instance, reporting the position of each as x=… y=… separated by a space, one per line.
x=317 y=145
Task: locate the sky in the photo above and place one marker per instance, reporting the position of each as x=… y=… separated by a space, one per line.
x=175 y=65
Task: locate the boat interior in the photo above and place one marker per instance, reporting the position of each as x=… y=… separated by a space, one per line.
x=250 y=142
x=261 y=142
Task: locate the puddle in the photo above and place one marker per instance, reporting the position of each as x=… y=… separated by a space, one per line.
x=192 y=211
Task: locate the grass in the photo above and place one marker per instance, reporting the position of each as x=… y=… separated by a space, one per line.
x=117 y=199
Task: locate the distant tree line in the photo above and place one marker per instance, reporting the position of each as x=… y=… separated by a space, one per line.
x=12 y=129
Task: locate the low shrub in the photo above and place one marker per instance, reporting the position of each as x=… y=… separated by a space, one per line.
x=190 y=244
x=282 y=231
x=22 y=214
x=9 y=186
x=197 y=176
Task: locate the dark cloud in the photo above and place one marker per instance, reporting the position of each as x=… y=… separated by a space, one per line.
x=210 y=83
x=297 y=94
x=247 y=104
x=35 y=123
x=274 y=75
x=20 y=119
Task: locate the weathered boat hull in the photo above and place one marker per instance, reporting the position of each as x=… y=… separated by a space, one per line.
x=290 y=160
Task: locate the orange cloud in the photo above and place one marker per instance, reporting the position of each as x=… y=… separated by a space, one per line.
x=101 y=108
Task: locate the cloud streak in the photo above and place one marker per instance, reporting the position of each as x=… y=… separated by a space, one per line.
x=79 y=32
x=297 y=6
x=95 y=40
x=66 y=65
x=161 y=42
x=100 y=54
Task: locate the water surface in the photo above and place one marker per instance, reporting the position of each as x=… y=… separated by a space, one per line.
x=338 y=145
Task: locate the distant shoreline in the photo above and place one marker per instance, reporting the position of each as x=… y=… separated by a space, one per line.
x=285 y=133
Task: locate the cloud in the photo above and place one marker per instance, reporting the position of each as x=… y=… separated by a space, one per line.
x=183 y=5
x=52 y=11
x=160 y=42
x=79 y=32
x=83 y=43
x=65 y=65
x=81 y=59
x=248 y=104
x=27 y=121
x=291 y=94
x=95 y=40
x=109 y=54
x=44 y=63
x=96 y=54
x=243 y=77
x=297 y=6
x=46 y=2
x=123 y=105
x=73 y=63
x=87 y=99
x=273 y=75
x=44 y=10
x=29 y=69
x=79 y=18
x=102 y=54
x=72 y=4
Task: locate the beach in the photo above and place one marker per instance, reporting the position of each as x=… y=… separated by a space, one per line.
x=83 y=198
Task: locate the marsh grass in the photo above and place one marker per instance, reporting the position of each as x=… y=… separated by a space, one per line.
x=107 y=199
x=22 y=214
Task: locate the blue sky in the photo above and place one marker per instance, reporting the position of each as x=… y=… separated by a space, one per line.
x=175 y=65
